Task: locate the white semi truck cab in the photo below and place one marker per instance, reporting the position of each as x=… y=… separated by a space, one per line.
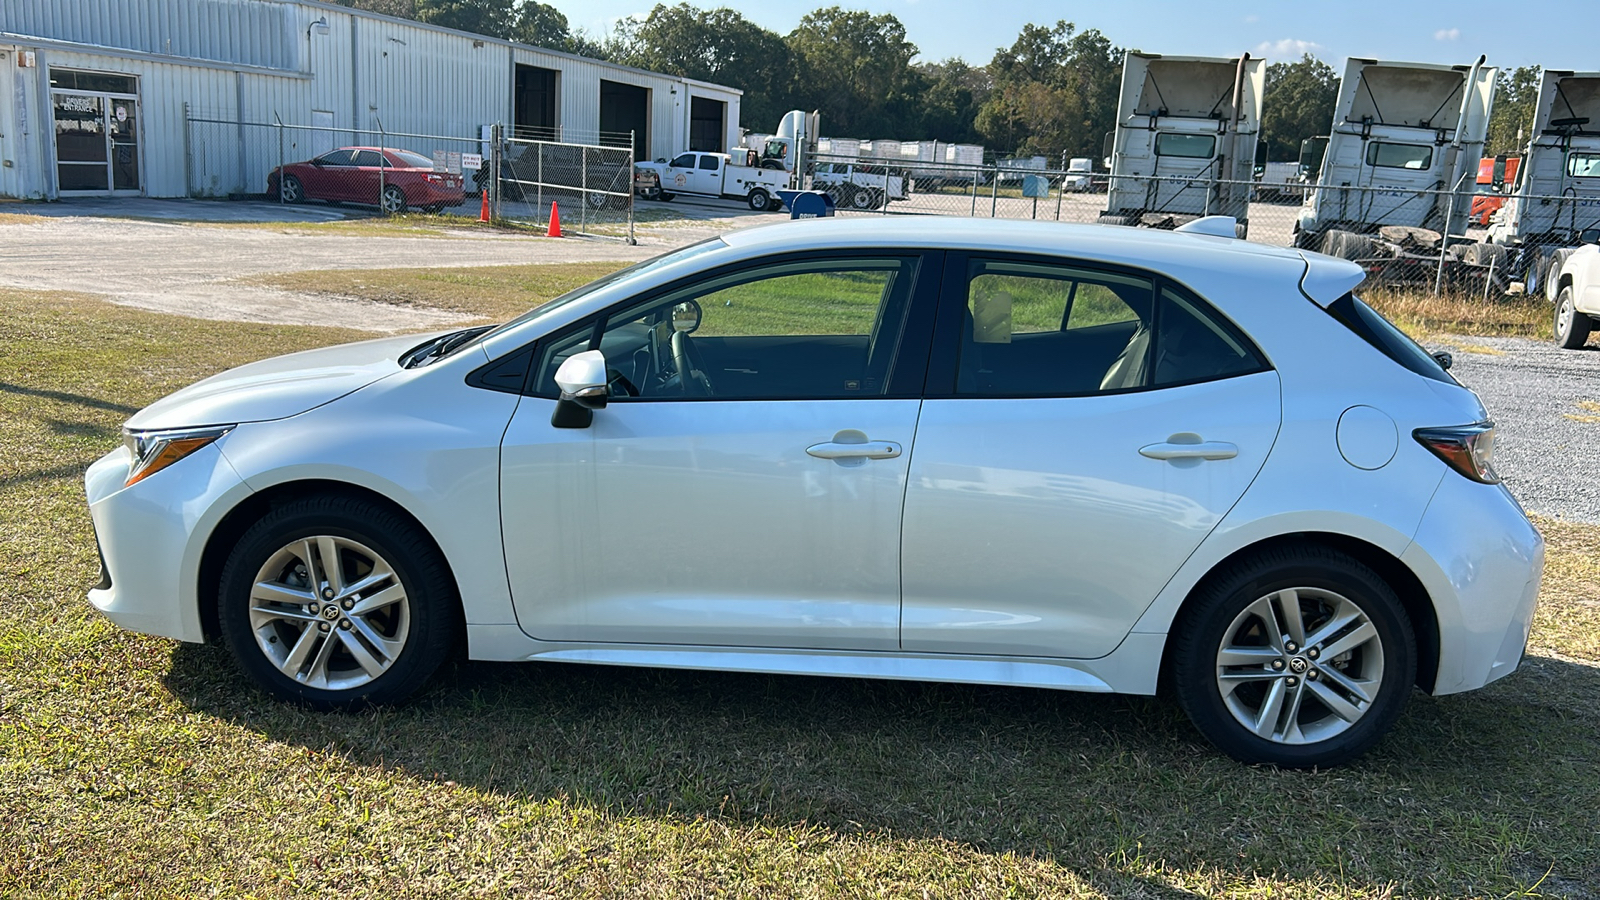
x=1557 y=193
x=1406 y=139
x=1185 y=142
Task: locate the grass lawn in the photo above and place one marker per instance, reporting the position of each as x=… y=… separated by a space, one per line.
x=135 y=766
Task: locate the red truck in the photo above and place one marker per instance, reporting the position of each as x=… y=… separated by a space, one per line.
x=1497 y=178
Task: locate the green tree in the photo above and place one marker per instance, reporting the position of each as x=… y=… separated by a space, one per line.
x=1055 y=92
x=953 y=95
x=720 y=46
x=494 y=18
x=856 y=68
x=1298 y=103
x=541 y=25
x=1516 y=95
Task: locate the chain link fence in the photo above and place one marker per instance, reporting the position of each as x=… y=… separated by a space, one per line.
x=1497 y=243
x=589 y=187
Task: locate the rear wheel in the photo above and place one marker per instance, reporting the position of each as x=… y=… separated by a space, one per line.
x=864 y=198
x=759 y=200
x=337 y=602
x=1299 y=657
x=1572 y=327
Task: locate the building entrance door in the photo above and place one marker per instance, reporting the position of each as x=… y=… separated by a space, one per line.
x=97 y=142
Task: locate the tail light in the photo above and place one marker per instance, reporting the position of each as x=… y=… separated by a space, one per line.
x=1469 y=449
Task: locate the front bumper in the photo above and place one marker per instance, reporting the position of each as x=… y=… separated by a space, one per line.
x=1481 y=561
x=152 y=535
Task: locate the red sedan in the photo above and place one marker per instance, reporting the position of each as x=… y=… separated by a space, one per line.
x=392 y=179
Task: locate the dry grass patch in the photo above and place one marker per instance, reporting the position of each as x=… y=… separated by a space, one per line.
x=1423 y=315
x=491 y=292
x=21 y=219
x=134 y=766
x=407 y=225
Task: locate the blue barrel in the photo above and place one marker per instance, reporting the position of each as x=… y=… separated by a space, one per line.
x=807 y=204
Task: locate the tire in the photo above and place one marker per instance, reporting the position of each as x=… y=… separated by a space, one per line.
x=378 y=656
x=759 y=199
x=393 y=200
x=665 y=197
x=1486 y=255
x=1114 y=220
x=1347 y=245
x=597 y=201
x=1571 y=327
x=290 y=190
x=1238 y=616
x=863 y=198
x=1552 y=277
x=1241 y=230
x=775 y=205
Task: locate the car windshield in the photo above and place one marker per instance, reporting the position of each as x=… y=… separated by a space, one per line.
x=621 y=275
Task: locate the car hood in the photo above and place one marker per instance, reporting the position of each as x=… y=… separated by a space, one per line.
x=279 y=387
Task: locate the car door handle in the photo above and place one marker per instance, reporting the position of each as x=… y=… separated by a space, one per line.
x=865 y=450
x=1190 y=450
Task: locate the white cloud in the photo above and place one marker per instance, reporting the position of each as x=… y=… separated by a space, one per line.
x=1447 y=34
x=1252 y=19
x=1290 y=49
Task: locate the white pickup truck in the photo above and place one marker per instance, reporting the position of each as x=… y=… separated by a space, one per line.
x=712 y=175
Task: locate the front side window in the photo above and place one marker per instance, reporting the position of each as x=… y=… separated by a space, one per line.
x=1047 y=330
x=1384 y=155
x=1187 y=146
x=805 y=329
x=683 y=161
x=1583 y=165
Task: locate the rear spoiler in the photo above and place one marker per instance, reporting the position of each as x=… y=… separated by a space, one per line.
x=1326 y=279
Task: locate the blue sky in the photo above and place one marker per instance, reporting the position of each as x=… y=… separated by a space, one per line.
x=1560 y=35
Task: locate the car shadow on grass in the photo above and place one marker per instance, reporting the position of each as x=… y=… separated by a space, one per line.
x=1469 y=792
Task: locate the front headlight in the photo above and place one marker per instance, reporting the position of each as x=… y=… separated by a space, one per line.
x=155 y=450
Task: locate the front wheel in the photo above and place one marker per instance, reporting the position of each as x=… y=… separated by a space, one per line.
x=336 y=602
x=1299 y=657
x=394 y=200
x=759 y=200
x=1572 y=327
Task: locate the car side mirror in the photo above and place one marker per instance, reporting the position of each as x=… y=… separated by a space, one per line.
x=1589 y=236
x=582 y=380
x=1443 y=358
x=686 y=316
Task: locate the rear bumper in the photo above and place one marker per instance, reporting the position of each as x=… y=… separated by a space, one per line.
x=1481 y=561
x=151 y=536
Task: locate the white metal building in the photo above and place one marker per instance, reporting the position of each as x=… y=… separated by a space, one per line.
x=96 y=96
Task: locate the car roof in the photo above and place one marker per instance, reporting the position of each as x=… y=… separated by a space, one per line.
x=1323 y=279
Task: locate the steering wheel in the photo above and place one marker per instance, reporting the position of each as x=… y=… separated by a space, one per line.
x=692 y=377
x=616 y=381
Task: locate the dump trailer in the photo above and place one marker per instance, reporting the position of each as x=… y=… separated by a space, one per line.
x=1185 y=144
x=1556 y=191
x=1401 y=154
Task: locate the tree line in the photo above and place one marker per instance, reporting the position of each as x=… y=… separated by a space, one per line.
x=1052 y=93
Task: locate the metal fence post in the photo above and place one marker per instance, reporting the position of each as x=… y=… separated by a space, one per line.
x=188 y=151
x=976 y=174
x=279 y=120
x=1444 y=239
x=538 y=178
x=496 y=160
x=583 y=194
x=627 y=183
x=994 y=191
x=381 y=141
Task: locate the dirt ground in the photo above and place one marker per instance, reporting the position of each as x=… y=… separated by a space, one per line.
x=193 y=269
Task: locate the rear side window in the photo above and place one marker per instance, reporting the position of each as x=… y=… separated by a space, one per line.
x=1399 y=156
x=709 y=163
x=1373 y=328
x=1190 y=146
x=1584 y=165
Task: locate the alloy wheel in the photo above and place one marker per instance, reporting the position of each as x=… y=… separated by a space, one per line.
x=329 y=612
x=1300 y=665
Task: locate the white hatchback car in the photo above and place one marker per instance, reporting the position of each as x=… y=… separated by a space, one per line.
x=1016 y=453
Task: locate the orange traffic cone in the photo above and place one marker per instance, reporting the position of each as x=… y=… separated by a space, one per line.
x=483 y=212
x=555 y=222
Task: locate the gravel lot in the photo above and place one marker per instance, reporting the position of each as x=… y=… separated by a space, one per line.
x=1546 y=443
